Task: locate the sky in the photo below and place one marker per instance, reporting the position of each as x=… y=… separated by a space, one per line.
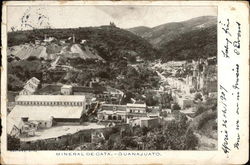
x=24 y=17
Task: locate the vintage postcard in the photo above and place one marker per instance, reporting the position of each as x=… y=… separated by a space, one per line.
x=125 y=82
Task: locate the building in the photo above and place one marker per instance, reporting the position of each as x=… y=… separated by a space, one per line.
x=47 y=110
x=184 y=101
x=14 y=127
x=37 y=42
x=144 y=122
x=111 y=112
x=120 y=113
x=66 y=90
x=48 y=39
x=62 y=41
x=30 y=86
x=153 y=111
x=136 y=110
x=168 y=111
x=83 y=41
x=115 y=95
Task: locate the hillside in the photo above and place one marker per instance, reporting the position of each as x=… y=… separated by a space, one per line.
x=140 y=30
x=110 y=42
x=189 y=39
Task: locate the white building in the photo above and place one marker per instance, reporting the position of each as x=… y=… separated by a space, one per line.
x=112 y=112
x=136 y=110
x=48 y=39
x=144 y=122
x=66 y=90
x=46 y=110
x=30 y=86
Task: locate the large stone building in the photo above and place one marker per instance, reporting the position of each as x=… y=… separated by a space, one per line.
x=111 y=112
x=204 y=76
x=46 y=110
x=120 y=113
x=136 y=110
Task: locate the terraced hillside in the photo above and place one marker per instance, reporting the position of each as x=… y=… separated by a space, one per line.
x=53 y=50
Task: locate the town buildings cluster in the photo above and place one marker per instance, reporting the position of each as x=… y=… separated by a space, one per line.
x=200 y=78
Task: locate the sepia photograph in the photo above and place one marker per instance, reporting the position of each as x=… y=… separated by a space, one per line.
x=112 y=77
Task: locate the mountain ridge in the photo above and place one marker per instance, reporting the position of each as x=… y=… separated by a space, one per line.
x=199 y=34
x=109 y=41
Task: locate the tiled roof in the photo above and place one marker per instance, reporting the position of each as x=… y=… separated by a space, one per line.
x=45 y=112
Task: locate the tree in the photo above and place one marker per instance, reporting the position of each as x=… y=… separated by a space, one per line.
x=191 y=141
x=13 y=143
x=132 y=59
x=176 y=107
x=129 y=142
x=32 y=58
x=198 y=96
x=200 y=110
x=150 y=100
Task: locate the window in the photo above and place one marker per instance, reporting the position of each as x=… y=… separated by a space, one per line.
x=131 y=111
x=109 y=117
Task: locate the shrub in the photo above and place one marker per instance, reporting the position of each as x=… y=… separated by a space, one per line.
x=198 y=96
x=32 y=58
x=176 y=107
x=13 y=143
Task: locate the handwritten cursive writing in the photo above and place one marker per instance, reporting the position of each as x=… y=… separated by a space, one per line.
x=236 y=84
x=225 y=27
x=236 y=43
x=223 y=99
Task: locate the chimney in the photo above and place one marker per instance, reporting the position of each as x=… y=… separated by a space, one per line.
x=74 y=38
